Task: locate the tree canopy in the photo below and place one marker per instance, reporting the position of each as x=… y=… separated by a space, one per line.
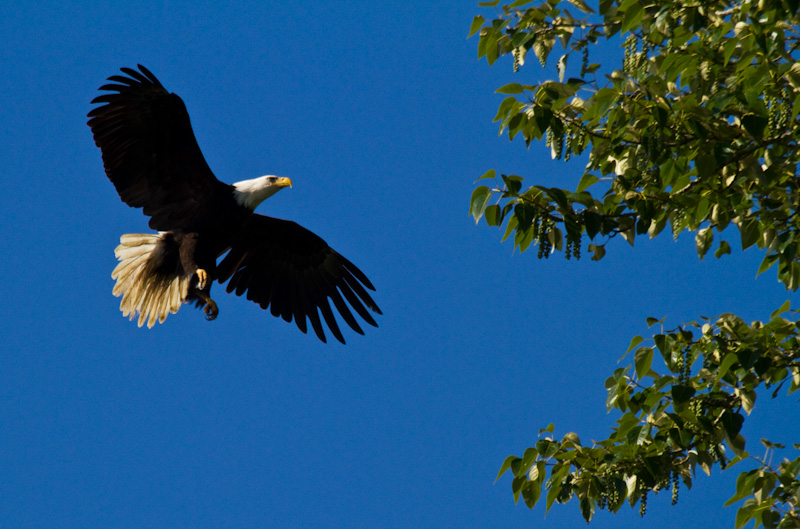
x=695 y=129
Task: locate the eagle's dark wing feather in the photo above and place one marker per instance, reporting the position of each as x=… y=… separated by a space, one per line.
x=283 y=266
x=150 y=153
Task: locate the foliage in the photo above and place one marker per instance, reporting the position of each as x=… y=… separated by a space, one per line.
x=696 y=130
x=677 y=421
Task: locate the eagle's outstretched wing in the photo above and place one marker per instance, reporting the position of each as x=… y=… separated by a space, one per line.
x=283 y=266
x=150 y=153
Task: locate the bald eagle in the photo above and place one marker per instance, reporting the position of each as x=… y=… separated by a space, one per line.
x=151 y=156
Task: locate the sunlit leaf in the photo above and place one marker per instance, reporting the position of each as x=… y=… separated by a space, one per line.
x=586 y=180
x=703 y=241
x=632 y=17
x=511 y=88
x=783 y=308
x=642 y=360
x=488 y=174
x=477 y=22
x=479 y=201
x=506 y=465
x=580 y=4
x=634 y=342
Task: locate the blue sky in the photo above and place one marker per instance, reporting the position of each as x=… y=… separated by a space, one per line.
x=381 y=115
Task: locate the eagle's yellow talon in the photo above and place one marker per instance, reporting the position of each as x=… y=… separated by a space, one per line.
x=202 y=278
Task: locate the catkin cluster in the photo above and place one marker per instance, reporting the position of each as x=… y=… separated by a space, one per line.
x=778 y=119
x=573 y=246
x=541 y=230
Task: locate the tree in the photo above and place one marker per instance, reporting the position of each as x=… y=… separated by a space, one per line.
x=696 y=130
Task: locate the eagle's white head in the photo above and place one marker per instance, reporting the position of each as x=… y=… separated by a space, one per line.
x=251 y=193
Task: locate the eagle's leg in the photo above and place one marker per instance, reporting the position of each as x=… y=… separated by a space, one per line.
x=211 y=311
x=197 y=260
x=202 y=278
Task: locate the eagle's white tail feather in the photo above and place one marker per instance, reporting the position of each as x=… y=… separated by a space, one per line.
x=151 y=296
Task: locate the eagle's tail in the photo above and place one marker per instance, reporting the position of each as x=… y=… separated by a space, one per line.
x=143 y=280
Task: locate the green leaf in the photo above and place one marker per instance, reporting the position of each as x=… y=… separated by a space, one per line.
x=523 y=238
x=492 y=215
x=558 y=196
x=703 y=241
x=587 y=508
x=511 y=225
x=592 y=222
x=537 y=471
x=580 y=4
x=488 y=174
x=528 y=459
x=724 y=248
x=604 y=99
x=478 y=202
x=515 y=124
x=744 y=486
x=531 y=491
x=510 y=88
x=525 y=215
x=634 y=342
x=754 y=125
x=477 y=22
x=557 y=474
x=681 y=393
x=787 y=305
x=513 y=183
x=516 y=487
x=750 y=232
x=632 y=17
x=598 y=251
x=663 y=345
x=556 y=238
x=766 y=264
x=732 y=423
x=542 y=47
x=505 y=466
x=701 y=212
x=546 y=448
x=730 y=47
x=626 y=423
x=652 y=321
x=644 y=434
x=507 y=109
x=627 y=229
x=706 y=165
x=726 y=364
x=587 y=180
x=748 y=399
x=489 y=4
x=491 y=48
x=642 y=361
x=745 y=514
